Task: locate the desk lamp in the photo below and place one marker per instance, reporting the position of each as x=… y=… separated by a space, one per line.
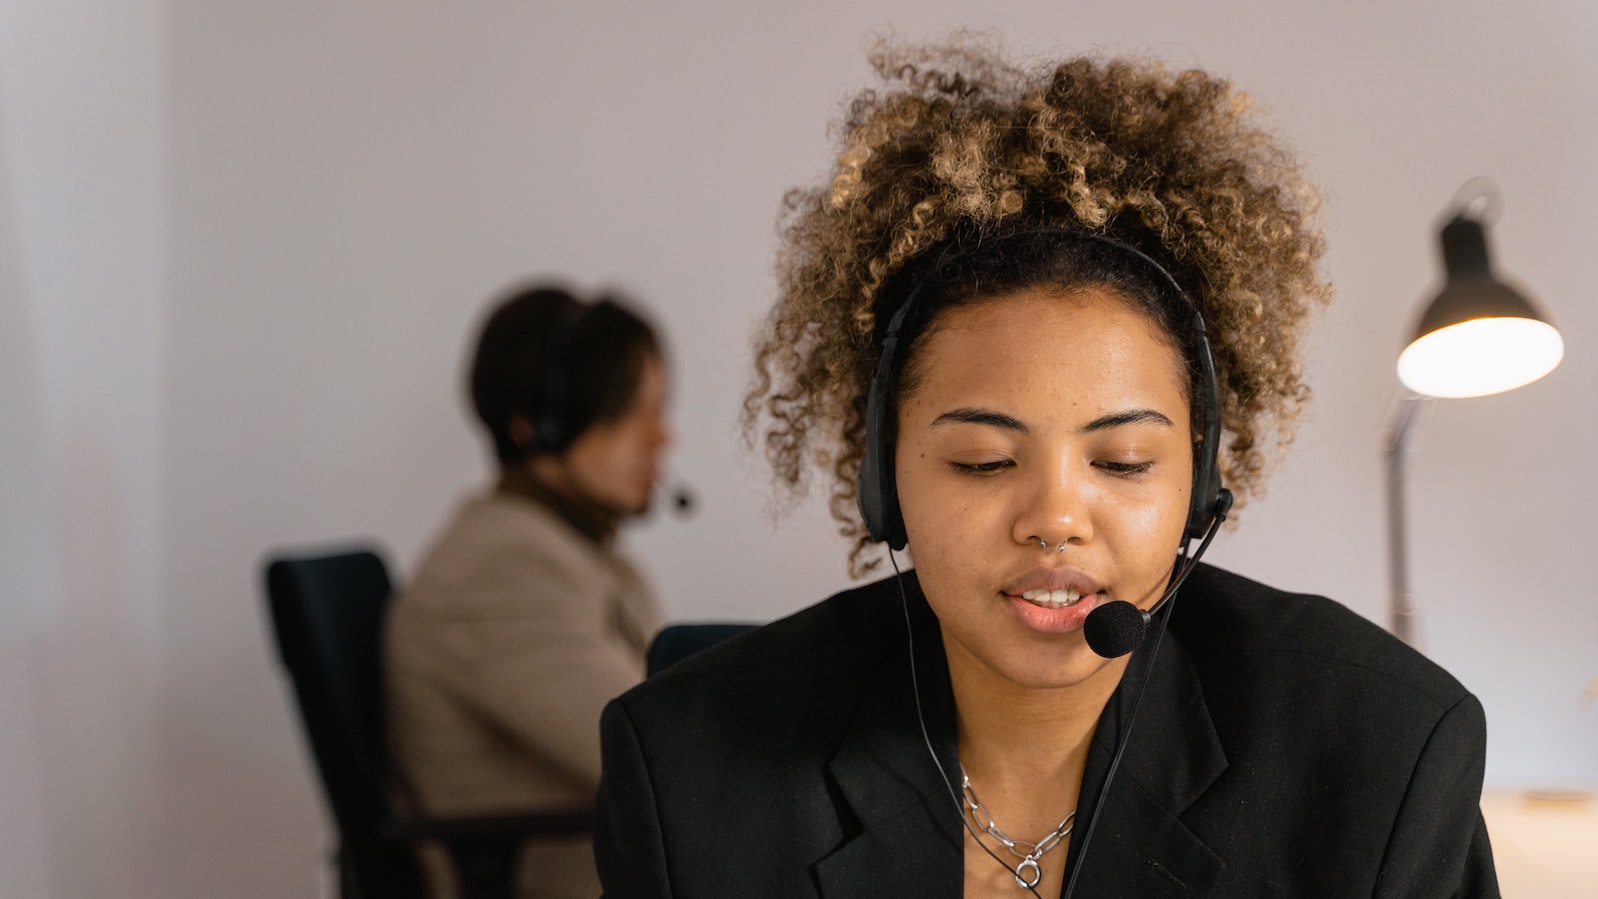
x=1478 y=337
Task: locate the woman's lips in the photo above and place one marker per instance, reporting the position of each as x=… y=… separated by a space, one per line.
x=1052 y=599
x=1046 y=615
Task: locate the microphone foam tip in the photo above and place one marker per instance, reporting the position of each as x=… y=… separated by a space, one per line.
x=1115 y=629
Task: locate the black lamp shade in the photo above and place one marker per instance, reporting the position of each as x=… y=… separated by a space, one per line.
x=1472 y=291
x=1479 y=336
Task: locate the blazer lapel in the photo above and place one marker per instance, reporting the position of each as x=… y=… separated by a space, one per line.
x=909 y=840
x=1140 y=847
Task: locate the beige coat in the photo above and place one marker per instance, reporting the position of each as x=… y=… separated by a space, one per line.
x=511 y=638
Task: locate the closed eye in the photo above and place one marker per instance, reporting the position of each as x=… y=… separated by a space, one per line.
x=981 y=467
x=1125 y=468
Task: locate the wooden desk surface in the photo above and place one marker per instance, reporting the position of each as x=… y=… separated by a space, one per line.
x=1545 y=845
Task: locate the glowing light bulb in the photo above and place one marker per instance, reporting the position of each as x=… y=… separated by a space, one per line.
x=1480 y=357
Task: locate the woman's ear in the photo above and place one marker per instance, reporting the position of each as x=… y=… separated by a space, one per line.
x=522 y=434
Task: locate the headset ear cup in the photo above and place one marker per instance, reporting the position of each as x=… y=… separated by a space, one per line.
x=1211 y=513
x=553 y=397
x=869 y=486
x=1205 y=503
x=875 y=492
x=878 y=501
x=868 y=495
x=549 y=432
x=1209 y=500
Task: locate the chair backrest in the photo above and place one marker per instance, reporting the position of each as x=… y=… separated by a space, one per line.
x=676 y=642
x=327 y=613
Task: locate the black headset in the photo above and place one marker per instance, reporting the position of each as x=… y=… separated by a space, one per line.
x=551 y=398
x=877 y=494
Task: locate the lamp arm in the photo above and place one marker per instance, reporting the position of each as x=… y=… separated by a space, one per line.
x=1404 y=425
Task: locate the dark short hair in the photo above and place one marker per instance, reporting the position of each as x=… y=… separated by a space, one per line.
x=555 y=359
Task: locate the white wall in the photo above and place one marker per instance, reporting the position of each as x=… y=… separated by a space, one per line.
x=82 y=294
x=242 y=247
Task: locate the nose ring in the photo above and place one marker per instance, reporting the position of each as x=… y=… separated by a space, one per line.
x=1045 y=545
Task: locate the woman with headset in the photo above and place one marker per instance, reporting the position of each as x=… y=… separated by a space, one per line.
x=524 y=616
x=1031 y=325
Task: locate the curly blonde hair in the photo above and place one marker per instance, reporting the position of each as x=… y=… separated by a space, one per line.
x=959 y=138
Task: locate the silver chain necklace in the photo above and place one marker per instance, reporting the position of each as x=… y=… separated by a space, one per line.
x=1033 y=872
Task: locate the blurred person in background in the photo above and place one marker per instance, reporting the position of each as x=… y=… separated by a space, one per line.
x=523 y=618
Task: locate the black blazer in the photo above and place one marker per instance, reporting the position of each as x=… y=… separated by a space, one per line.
x=1285 y=747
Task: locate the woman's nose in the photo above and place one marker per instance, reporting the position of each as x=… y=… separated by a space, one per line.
x=1054 y=510
x=665 y=435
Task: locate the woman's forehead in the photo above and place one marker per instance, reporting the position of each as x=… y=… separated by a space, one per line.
x=1047 y=340
x=1053 y=318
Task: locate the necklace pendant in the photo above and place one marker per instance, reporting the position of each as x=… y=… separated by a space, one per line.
x=1035 y=870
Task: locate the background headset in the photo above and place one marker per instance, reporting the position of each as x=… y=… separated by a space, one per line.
x=551 y=390
x=877 y=494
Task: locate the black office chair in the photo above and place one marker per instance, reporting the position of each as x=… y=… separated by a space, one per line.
x=676 y=642
x=327 y=613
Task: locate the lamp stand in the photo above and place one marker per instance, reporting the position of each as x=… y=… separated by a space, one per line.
x=1404 y=426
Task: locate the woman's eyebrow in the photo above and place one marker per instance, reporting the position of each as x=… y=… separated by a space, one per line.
x=1000 y=420
x=1129 y=417
x=982 y=417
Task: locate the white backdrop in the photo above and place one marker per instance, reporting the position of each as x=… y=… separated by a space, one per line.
x=242 y=247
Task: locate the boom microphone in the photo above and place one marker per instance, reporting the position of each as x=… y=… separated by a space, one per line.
x=677 y=492
x=682 y=499
x=1116 y=628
